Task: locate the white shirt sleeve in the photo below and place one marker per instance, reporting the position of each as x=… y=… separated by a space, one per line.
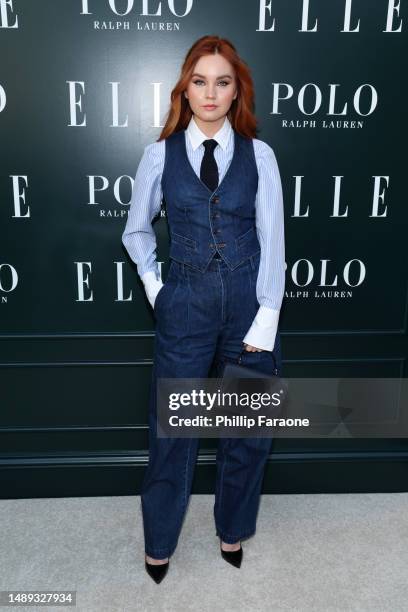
x=139 y=237
x=270 y=284
x=152 y=286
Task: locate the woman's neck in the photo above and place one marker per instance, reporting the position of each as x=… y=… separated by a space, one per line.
x=209 y=128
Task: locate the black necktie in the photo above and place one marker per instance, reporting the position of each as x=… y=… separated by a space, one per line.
x=209 y=168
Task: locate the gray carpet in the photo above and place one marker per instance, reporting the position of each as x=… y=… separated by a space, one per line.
x=310 y=553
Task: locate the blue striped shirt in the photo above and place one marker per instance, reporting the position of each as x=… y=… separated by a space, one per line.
x=140 y=240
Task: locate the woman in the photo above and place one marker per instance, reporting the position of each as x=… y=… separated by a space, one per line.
x=224 y=288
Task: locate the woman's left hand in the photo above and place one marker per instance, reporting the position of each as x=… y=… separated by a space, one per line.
x=252 y=349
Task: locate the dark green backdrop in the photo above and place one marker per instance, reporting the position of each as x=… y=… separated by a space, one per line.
x=83 y=89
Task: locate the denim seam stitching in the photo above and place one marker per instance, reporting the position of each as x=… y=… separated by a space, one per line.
x=186 y=476
x=222 y=295
x=222 y=477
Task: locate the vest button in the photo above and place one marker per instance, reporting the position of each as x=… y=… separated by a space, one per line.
x=215 y=199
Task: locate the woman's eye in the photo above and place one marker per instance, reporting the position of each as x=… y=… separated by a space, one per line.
x=224 y=83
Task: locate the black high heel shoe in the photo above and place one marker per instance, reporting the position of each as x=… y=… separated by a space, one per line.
x=232 y=556
x=157 y=572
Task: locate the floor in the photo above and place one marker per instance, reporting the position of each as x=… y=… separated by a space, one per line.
x=317 y=553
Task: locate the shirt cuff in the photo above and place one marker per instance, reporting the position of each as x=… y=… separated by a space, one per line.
x=152 y=286
x=262 y=332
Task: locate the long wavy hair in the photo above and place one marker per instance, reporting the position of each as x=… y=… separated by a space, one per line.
x=240 y=114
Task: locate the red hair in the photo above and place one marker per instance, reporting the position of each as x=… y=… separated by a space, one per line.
x=240 y=114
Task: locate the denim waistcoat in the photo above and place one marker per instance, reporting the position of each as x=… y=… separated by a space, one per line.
x=202 y=222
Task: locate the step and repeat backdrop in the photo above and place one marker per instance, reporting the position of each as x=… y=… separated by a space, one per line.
x=84 y=87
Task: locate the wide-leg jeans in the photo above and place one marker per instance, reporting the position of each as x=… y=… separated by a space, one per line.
x=201 y=320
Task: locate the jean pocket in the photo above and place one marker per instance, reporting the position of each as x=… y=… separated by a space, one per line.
x=157 y=298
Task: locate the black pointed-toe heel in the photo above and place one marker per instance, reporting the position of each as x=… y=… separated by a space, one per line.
x=232 y=556
x=157 y=572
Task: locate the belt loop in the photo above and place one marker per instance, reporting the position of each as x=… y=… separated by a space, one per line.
x=241 y=353
x=252 y=262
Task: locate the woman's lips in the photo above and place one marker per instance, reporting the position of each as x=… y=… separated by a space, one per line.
x=210 y=106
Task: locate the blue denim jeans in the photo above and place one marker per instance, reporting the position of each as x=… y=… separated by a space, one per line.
x=201 y=320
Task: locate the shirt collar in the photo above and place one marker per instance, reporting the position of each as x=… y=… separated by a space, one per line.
x=197 y=136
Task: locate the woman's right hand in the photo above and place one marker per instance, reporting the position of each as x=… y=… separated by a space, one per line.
x=252 y=349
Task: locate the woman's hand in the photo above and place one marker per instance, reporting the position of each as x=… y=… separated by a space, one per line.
x=252 y=349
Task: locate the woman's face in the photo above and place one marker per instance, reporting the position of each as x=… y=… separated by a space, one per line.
x=212 y=83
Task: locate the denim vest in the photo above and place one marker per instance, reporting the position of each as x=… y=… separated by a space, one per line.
x=202 y=222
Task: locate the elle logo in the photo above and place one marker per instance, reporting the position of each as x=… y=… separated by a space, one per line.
x=310 y=23
x=85 y=290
